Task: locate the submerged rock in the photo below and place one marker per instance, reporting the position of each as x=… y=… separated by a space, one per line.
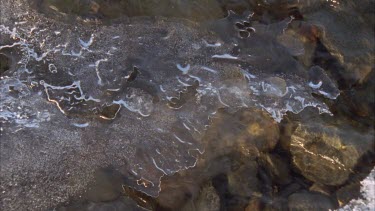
x=277 y=167
x=106 y=186
x=230 y=150
x=208 y=200
x=348 y=192
x=117 y=205
x=358 y=102
x=248 y=131
x=243 y=181
x=310 y=201
x=327 y=152
x=254 y=205
x=339 y=23
x=183 y=188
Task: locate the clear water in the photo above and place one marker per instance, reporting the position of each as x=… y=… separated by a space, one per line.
x=90 y=88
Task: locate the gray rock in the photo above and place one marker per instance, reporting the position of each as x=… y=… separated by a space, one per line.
x=194 y=10
x=276 y=204
x=5 y=63
x=120 y=204
x=310 y=201
x=348 y=192
x=106 y=186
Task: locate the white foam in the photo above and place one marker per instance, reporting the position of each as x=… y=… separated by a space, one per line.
x=88 y=43
x=83 y=125
x=157 y=167
x=209 y=69
x=217 y=44
x=135 y=102
x=52 y=68
x=225 y=56
x=315 y=86
x=328 y=95
x=96 y=65
x=185 y=69
x=181 y=141
x=187 y=127
x=181 y=82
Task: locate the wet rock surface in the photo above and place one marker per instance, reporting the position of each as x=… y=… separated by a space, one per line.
x=195 y=105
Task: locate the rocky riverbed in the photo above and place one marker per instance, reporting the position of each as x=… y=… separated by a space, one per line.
x=186 y=105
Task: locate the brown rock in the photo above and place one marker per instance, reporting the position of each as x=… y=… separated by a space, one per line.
x=348 y=192
x=276 y=167
x=326 y=153
x=243 y=181
x=248 y=131
x=338 y=27
x=254 y=205
x=207 y=200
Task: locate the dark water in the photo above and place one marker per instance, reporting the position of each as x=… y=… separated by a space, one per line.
x=187 y=105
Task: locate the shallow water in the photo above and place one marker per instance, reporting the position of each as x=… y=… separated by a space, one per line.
x=194 y=105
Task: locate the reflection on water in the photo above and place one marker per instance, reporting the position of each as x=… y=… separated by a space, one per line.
x=185 y=105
